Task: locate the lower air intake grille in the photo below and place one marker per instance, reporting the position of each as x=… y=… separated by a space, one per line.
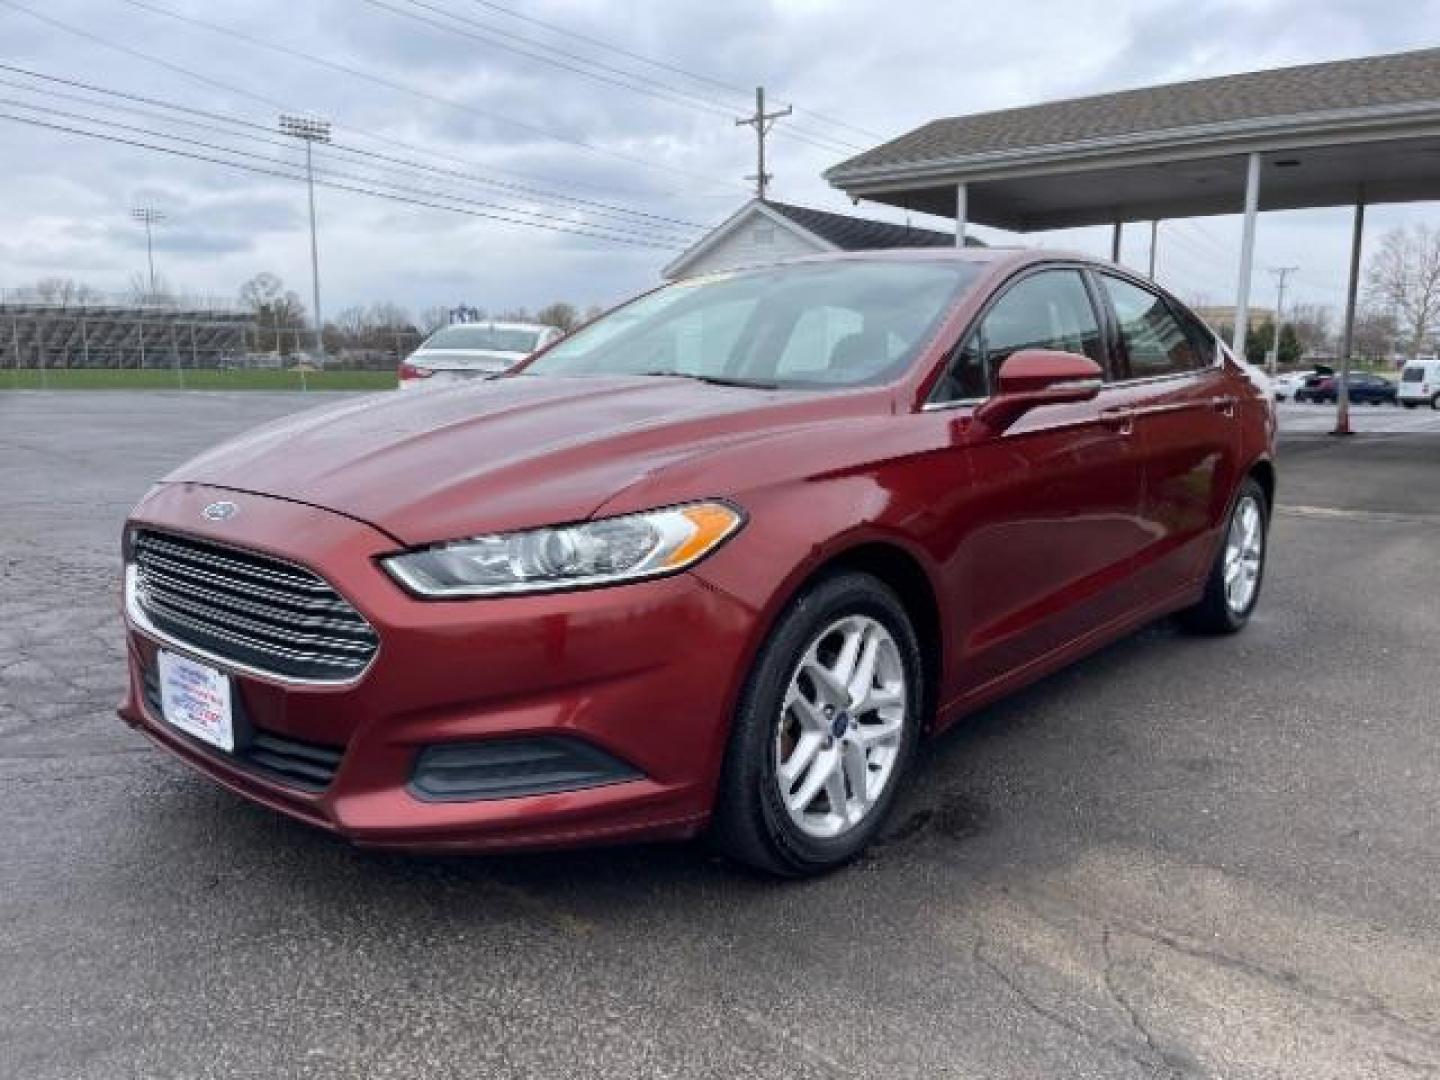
x=260 y=612
x=509 y=768
x=304 y=765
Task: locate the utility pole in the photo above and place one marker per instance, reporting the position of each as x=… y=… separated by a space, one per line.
x=1281 y=273
x=310 y=132
x=148 y=215
x=762 y=122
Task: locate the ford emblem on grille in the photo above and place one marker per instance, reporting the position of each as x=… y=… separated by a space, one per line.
x=220 y=511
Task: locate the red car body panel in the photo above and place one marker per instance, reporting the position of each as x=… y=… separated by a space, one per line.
x=1037 y=544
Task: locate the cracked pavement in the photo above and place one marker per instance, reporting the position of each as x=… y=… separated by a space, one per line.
x=1180 y=858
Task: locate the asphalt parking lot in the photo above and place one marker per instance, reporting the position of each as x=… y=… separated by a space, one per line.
x=1310 y=419
x=1180 y=858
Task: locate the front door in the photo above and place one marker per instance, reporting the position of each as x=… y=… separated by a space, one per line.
x=1051 y=525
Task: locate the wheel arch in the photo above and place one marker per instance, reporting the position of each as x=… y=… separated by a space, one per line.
x=1263 y=472
x=905 y=574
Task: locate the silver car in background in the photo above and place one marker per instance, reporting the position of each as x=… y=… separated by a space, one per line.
x=478 y=350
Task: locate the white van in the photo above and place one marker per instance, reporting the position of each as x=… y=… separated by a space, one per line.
x=1420 y=384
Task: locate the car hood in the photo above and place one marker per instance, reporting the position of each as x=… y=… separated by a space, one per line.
x=506 y=454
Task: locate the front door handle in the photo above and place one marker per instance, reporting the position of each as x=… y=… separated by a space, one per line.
x=1224 y=405
x=1121 y=421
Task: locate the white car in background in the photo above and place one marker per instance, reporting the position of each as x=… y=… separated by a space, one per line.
x=477 y=350
x=1285 y=385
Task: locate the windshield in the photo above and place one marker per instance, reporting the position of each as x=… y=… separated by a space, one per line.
x=808 y=325
x=483 y=336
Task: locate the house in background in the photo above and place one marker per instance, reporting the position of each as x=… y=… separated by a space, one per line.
x=765 y=231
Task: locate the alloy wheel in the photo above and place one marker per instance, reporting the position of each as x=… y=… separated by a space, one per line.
x=1244 y=552
x=841 y=726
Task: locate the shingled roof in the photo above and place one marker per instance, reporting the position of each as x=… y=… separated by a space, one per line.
x=1372 y=82
x=860 y=234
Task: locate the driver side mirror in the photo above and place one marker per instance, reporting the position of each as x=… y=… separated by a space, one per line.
x=1034 y=377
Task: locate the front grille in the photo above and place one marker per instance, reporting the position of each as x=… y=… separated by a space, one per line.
x=257 y=611
x=304 y=765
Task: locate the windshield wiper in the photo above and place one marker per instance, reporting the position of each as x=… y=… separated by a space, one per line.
x=713 y=380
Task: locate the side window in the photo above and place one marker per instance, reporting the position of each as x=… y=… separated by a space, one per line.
x=1152 y=341
x=1048 y=310
x=1201 y=337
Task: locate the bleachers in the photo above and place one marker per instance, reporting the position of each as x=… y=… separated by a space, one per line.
x=36 y=334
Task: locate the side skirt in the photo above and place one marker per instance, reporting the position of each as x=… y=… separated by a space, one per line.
x=1065 y=655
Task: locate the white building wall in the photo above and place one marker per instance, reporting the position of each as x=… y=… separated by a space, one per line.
x=755 y=242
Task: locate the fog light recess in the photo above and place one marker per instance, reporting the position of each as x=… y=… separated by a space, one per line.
x=511 y=768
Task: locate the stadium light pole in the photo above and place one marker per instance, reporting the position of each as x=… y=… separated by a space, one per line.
x=148 y=215
x=310 y=132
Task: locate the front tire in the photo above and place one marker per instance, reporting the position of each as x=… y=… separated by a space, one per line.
x=824 y=732
x=1233 y=587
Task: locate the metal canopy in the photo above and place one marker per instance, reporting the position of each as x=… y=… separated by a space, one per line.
x=1350 y=132
x=1322 y=131
x=1070 y=193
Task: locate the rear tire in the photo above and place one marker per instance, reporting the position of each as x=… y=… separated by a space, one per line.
x=1435 y=403
x=1233 y=588
x=804 y=729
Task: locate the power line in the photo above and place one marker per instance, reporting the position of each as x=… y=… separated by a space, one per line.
x=592 y=206
x=327 y=180
x=664 y=65
x=404 y=88
x=271 y=102
x=662 y=91
x=663 y=239
x=325 y=63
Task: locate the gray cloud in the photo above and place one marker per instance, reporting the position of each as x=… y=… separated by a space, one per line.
x=885 y=66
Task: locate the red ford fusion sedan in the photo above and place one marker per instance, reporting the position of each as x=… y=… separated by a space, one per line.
x=714 y=563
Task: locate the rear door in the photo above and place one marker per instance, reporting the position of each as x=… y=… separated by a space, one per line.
x=1184 y=412
x=1051 y=523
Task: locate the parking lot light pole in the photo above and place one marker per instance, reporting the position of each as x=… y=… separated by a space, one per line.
x=310 y=132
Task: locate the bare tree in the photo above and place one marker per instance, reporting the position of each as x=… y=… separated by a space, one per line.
x=1314 y=326
x=63 y=291
x=388 y=317
x=276 y=308
x=560 y=315
x=1374 y=331
x=433 y=318
x=142 y=291
x=1404 y=277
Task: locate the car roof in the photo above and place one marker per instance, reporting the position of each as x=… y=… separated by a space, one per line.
x=998 y=257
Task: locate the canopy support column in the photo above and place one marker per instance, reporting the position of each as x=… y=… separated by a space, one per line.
x=1154 y=240
x=1247 y=256
x=1347 y=336
x=961 y=212
x=1115 y=243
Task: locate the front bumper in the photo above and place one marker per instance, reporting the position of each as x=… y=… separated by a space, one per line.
x=645 y=673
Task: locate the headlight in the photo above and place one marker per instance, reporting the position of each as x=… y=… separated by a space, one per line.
x=604 y=552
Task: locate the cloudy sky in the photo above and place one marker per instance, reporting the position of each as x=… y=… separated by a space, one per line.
x=640 y=156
